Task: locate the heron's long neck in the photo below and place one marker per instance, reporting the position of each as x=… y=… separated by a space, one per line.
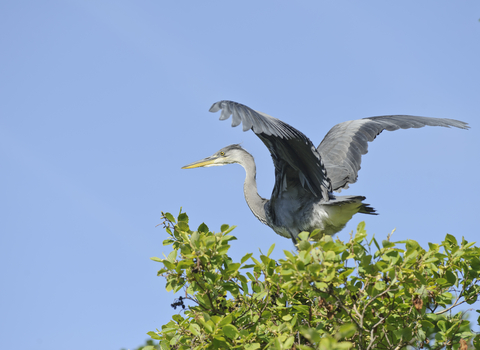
x=254 y=201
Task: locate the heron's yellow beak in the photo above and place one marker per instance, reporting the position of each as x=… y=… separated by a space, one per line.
x=205 y=162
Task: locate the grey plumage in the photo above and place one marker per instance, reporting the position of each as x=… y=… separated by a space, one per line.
x=344 y=145
x=305 y=176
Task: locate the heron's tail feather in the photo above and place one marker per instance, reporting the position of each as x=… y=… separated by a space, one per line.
x=363 y=208
x=367 y=209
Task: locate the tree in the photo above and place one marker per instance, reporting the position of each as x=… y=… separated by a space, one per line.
x=328 y=295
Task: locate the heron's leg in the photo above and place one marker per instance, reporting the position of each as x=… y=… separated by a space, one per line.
x=294 y=240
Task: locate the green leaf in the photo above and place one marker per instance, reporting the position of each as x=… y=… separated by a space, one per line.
x=203 y=228
x=316 y=234
x=168 y=264
x=233 y=267
x=289 y=342
x=265 y=259
x=380 y=285
x=451 y=278
x=304 y=245
x=427 y=324
x=410 y=255
x=442 y=325
x=303 y=235
x=361 y=227
x=421 y=334
x=164 y=345
x=346 y=331
x=225 y=320
x=311 y=334
x=177 y=318
x=375 y=241
x=230 y=331
x=346 y=273
x=258 y=263
x=154 y=335
x=170 y=217
x=288 y=254
x=183 y=226
x=168 y=241
x=451 y=239
x=183 y=217
x=300 y=265
x=387 y=244
x=228 y=238
x=223 y=249
x=230 y=229
x=420 y=277
x=359 y=237
x=476 y=341
x=314 y=268
x=194 y=239
x=248 y=266
x=441 y=281
x=246 y=257
x=194 y=328
x=208 y=326
x=330 y=256
x=271 y=249
x=172 y=256
x=321 y=285
x=392 y=257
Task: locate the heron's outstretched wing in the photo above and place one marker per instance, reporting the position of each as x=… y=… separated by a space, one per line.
x=343 y=146
x=295 y=157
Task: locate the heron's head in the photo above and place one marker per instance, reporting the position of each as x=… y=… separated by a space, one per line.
x=227 y=155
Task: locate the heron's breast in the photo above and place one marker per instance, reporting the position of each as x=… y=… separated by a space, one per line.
x=294 y=213
x=292 y=216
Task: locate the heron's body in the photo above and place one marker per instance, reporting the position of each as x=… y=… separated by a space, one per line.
x=306 y=177
x=289 y=216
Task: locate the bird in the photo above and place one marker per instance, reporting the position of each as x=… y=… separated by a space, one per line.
x=306 y=176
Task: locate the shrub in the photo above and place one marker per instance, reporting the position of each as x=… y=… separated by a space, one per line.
x=328 y=295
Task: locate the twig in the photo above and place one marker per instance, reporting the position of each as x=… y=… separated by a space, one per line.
x=372 y=338
x=360 y=328
x=456 y=302
x=386 y=337
x=375 y=298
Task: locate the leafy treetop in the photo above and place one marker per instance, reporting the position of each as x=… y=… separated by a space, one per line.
x=328 y=295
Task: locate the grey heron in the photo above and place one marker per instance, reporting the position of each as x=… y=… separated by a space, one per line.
x=306 y=176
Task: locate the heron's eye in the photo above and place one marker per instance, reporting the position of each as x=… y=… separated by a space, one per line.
x=222 y=153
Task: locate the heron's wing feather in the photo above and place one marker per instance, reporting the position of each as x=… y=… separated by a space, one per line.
x=295 y=157
x=344 y=145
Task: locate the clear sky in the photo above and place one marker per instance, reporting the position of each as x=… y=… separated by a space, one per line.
x=102 y=102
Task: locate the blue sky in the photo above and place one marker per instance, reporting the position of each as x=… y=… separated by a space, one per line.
x=102 y=102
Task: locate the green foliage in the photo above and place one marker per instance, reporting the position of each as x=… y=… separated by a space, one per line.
x=327 y=295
